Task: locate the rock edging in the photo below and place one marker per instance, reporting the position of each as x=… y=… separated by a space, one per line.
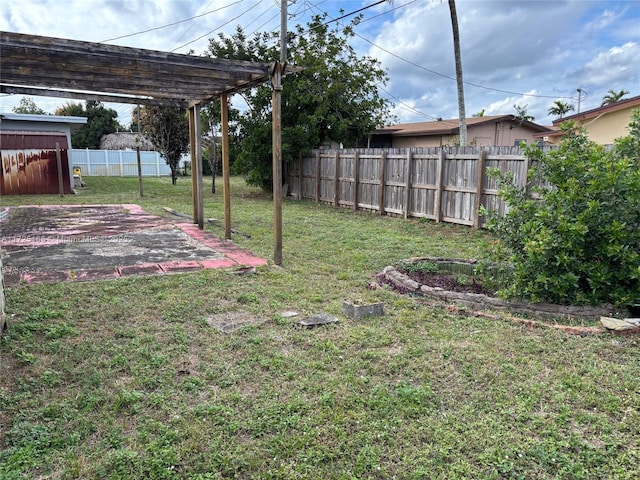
x=484 y=302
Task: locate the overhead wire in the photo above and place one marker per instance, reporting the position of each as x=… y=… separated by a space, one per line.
x=220 y=26
x=171 y=24
x=433 y=72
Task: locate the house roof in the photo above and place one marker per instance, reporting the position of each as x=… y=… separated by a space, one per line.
x=627 y=103
x=57 y=67
x=451 y=126
x=28 y=117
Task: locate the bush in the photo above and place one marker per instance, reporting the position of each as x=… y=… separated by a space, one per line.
x=576 y=239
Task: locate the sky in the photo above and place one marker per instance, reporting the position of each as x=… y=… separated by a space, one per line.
x=527 y=53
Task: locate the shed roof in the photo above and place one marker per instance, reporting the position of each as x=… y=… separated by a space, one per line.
x=57 y=67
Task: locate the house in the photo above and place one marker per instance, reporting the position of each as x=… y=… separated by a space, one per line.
x=496 y=130
x=603 y=124
x=29 y=146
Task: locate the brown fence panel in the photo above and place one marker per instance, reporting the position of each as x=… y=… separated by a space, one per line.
x=444 y=184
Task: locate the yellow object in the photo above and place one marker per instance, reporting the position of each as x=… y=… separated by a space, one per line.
x=76 y=171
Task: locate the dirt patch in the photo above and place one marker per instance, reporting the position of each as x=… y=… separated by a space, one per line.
x=228 y=322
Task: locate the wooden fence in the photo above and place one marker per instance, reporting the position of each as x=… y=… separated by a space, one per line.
x=444 y=184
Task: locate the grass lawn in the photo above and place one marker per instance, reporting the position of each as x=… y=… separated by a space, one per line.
x=126 y=379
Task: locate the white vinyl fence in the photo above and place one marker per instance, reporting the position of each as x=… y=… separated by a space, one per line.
x=119 y=163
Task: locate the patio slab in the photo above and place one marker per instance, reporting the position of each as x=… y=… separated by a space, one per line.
x=51 y=243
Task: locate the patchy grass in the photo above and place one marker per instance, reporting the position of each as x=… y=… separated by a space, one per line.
x=126 y=379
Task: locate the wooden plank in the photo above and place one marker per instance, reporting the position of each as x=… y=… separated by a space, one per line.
x=336 y=179
x=318 y=173
x=226 y=182
x=479 y=184
x=300 y=176
x=356 y=180
x=438 y=194
x=383 y=166
x=407 y=184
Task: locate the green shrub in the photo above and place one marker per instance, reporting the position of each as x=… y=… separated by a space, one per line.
x=576 y=239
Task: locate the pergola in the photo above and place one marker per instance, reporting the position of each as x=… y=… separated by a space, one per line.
x=56 y=67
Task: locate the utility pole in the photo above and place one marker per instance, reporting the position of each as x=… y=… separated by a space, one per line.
x=579 y=98
x=277 y=70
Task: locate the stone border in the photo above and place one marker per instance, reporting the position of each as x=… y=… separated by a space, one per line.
x=484 y=302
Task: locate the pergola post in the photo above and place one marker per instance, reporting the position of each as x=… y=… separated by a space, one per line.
x=195 y=139
x=226 y=193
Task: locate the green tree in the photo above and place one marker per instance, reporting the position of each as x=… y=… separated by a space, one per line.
x=560 y=108
x=28 y=105
x=100 y=121
x=480 y=113
x=576 y=240
x=334 y=98
x=613 y=97
x=212 y=147
x=521 y=113
x=168 y=129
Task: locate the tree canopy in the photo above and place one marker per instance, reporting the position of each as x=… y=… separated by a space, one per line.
x=335 y=98
x=168 y=129
x=560 y=108
x=100 y=121
x=29 y=106
x=613 y=97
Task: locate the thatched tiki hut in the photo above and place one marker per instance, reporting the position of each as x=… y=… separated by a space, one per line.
x=125 y=141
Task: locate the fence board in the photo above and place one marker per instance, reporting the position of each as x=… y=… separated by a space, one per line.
x=448 y=184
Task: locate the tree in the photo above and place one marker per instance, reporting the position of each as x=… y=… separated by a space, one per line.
x=212 y=149
x=334 y=98
x=576 y=240
x=27 y=105
x=560 y=108
x=522 y=114
x=458 y=59
x=613 y=97
x=480 y=113
x=168 y=129
x=100 y=121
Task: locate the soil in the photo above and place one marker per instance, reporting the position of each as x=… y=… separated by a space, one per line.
x=450 y=283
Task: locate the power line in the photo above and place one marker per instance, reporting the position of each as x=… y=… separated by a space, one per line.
x=171 y=24
x=355 y=11
x=220 y=26
x=433 y=72
x=405 y=105
x=192 y=23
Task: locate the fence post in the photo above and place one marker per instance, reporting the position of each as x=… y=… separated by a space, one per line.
x=356 y=179
x=157 y=164
x=407 y=183
x=479 y=184
x=438 y=194
x=106 y=162
x=336 y=180
x=318 y=174
x=121 y=163
x=88 y=163
x=383 y=179
x=300 y=165
x=139 y=172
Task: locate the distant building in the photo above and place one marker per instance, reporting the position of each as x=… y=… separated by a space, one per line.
x=497 y=130
x=603 y=124
x=29 y=149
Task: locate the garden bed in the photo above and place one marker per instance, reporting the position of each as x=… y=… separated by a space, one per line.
x=453 y=281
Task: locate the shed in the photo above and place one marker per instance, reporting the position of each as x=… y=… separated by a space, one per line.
x=30 y=163
x=28 y=152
